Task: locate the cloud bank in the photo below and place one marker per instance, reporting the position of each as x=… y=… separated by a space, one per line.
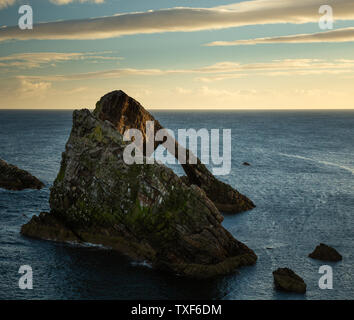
x=339 y=35
x=184 y=19
x=38 y=59
x=219 y=71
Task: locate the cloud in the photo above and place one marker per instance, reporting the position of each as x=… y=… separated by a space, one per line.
x=106 y=74
x=285 y=67
x=62 y=2
x=33 y=89
x=184 y=19
x=6 y=3
x=219 y=71
x=222 y=77
x=37 y=59
x=339 y=35
x=259 y=97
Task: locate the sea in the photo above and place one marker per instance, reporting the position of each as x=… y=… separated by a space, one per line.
x=301 y=178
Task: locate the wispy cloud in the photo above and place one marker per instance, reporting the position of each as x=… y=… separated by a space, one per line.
x=339 y=35
x=62 y=2
x=30 y=89
x=285 y=67
x=37 y=59
x=184 y=19
x=219 y=71
x=6 y=3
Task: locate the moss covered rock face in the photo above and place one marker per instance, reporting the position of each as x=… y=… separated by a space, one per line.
x=144 y=211
x=126 y=113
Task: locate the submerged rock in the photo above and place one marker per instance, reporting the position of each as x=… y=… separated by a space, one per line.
x=144 y=211
x=126 y=113
x=13 y=178
x=287 y=280
x=325 y=253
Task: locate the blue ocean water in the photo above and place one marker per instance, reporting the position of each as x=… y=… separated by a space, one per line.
x=300 y=178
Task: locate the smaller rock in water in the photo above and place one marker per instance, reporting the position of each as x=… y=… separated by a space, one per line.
x=287 y=280
x=325 y=253
x=13 y=178
x=246 y=164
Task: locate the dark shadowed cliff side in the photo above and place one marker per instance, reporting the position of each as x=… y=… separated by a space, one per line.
x=144 y=211
x=13 y=178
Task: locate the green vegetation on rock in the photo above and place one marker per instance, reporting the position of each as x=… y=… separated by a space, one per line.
x=144 y=211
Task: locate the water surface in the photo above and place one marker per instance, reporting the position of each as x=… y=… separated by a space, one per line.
x=301 y=179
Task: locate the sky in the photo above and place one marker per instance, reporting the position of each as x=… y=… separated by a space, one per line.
x=178 y=54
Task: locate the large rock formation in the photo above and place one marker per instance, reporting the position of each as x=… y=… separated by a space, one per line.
x=13 y=178
x=126 y=113
x=325 y=253
x=287 y=280
x=144 y=211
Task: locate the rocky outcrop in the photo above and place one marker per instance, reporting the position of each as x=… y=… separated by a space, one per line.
x=47 y=226
x=325 y=253
x=13 y=178
x=287 y=280
x=144 y=211
x=126 y=113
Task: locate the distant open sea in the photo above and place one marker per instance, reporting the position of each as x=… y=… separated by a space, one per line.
x=301 y=178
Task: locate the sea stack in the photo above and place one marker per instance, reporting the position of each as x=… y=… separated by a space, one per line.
x=14 y=178
x=126 y=113
x=144 y=211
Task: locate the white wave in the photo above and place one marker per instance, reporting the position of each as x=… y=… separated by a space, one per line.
x=351 y=170
x=141 y=264
x=87 y=245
